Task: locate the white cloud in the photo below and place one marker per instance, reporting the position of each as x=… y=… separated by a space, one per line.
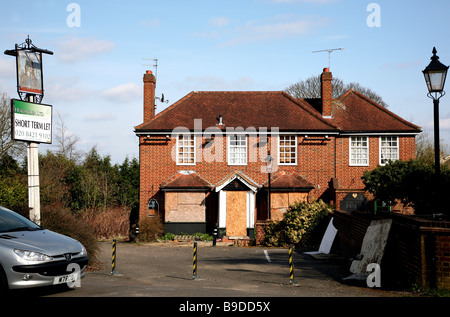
x=404 y=65
x=63 y=89
x=219 y=21
x=214 y=83
x=124 y=93
x=150 y=23
x=107 y=116
x=75 y=49
x=444 y=123
x=8 y=67
x=279 y=27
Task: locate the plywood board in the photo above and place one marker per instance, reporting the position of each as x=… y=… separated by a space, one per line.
x=236 y=213
x=327 y=240
x=372 y=249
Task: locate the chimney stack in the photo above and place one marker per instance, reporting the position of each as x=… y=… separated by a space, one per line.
x=326 y=91
x=149 y=95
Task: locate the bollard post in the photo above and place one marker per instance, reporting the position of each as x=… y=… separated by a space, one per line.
x=195 y=268
x=113 y=262
x=291 y=267
x=215 y=235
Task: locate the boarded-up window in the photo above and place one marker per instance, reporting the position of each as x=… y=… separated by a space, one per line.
x=185 y=207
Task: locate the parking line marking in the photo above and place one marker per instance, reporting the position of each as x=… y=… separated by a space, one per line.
x=267 y=256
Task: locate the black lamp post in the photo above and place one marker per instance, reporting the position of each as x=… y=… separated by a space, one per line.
x=269 y=165
x=435 y=74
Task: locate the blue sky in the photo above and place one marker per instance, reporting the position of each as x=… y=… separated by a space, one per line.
x=94 y=78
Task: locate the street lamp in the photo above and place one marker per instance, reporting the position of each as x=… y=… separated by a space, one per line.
x=269 y=165
x=435 y=74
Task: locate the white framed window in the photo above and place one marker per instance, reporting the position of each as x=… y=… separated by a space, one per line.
x=389 y=149
x=186 y=149
x=287 y=149
x=237 y=149
x=359 y=151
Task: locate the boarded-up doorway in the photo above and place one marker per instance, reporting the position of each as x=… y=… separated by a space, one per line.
x=236 y=213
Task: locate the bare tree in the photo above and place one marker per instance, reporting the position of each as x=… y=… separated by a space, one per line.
x=425 y=148
x=310 y=88
x=7 y=144
x=66 y=142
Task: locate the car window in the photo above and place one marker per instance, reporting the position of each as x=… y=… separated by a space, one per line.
x=12 y=221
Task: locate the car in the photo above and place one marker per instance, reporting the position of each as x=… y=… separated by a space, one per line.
x=31 y=256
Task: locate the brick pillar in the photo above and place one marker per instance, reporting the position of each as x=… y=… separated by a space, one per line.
x=149 y=96
x=260 y=226
x=326 y=91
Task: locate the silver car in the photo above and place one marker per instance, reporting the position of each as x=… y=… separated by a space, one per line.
x=31 y=256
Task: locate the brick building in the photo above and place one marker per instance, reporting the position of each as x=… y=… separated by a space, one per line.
x=205 y=159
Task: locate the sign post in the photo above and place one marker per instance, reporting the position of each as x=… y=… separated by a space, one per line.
x=31 y=122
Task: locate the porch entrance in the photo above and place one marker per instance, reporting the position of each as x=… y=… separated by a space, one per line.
x=236 y=207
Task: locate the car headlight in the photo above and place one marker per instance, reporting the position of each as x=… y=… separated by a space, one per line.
x=32 y=255
x=83 y=251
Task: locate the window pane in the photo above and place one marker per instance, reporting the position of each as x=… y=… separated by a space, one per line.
x=287 y=149
x=186 y=150
x=237 y=152
x=389 y=149
x=359 y=151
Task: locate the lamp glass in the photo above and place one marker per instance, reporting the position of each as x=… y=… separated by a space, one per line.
x=269 y=163
x=435 y=80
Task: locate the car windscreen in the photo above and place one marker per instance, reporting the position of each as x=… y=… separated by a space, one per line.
x=11 y=221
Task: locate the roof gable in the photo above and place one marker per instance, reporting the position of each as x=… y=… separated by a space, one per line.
x=354 y=112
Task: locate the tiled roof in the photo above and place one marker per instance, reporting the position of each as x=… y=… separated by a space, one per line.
x=288 y=181
x=239 y=109
x=352 y=112
x=186 y=180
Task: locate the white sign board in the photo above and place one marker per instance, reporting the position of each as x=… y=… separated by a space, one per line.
x=31 y=122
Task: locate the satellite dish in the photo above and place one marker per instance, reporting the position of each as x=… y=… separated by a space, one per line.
x=162 y=98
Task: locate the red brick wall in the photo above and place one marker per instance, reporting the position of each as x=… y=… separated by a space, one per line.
x=315 y=164
x=318 y=162
x=350 y=176
x=443 y=261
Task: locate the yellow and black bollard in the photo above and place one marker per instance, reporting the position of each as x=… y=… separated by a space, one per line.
x=291 y=267
x=113 y=263
x=195 y=268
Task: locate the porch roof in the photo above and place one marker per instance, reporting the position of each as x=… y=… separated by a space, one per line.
x=186 y=181
x=284 y=181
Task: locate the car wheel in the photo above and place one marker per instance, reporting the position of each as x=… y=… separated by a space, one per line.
x=3 y=282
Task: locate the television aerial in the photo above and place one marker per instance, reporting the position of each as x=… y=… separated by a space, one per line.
x=329 y=53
